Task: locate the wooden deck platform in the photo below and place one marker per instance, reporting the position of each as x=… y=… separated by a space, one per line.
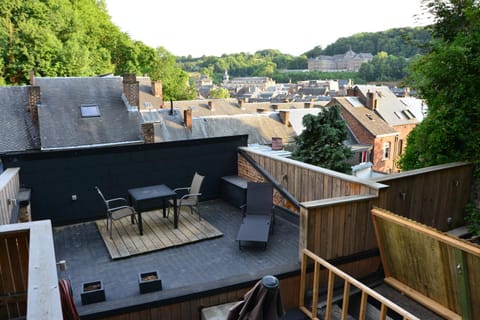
x=158 y=233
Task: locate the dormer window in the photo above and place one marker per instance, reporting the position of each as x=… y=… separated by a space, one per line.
x=89 y=110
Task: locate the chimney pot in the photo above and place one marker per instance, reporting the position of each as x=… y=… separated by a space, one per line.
x=157 y=89
x=277 y=143
x=285 y=117
x=148 y=131
x=187 y=118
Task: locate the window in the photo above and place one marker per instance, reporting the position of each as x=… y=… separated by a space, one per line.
x=89 y=110
x=386 y=150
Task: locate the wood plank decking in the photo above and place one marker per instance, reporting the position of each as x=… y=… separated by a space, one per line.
x=158 y=233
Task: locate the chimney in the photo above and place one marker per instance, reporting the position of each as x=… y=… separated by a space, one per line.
x=277 y=143
x=131 y=89
x=285 y=117
x=32 y=77
x=157 y=89
x=187 y=118
x=307 y=105
x=210 y=106
x=371 y=100
x=148 y=131
x=33 y=102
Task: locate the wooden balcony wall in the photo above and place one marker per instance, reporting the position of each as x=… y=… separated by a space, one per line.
x=435 y=196
x=335 y=218
x=304 y=181
x=9 y=187
x=436 y=269
x=190 y=307
x=29 y=284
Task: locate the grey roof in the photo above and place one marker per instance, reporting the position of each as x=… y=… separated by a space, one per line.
x=16 y=129
x=61 y=124
x=417 y=106
x=228 y=106
x=259 y=127
x=389 y=106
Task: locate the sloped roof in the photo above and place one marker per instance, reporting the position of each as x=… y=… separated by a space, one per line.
x=16 y=130
x=229 y=106
x=259 y=127
x=389 y=106
x=417 y=106
x=60 y=120
x=368 y=119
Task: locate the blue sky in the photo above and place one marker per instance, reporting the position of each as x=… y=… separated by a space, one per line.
x=213 y=27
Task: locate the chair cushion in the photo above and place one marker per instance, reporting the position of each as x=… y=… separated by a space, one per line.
x=124 y=212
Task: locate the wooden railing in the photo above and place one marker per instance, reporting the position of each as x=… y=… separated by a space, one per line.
x=306 y=182
x=349 y=281
x=28 y=272
x=9 y=187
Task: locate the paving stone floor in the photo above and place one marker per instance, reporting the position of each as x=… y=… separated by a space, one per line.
x=184 y=270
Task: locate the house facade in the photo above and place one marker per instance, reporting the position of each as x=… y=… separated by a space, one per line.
x=349 y=61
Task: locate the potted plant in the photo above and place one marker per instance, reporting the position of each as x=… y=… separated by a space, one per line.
x=92 y=292
x=149 y=282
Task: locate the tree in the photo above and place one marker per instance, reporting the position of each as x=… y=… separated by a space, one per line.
x=321 y=142
x=175 y=81
x=447 y=78
x=219 y=93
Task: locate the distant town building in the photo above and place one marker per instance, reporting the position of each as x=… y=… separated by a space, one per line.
x=235 y=84
x=350 y=61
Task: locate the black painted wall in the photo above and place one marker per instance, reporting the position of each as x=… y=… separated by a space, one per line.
x=55 y=176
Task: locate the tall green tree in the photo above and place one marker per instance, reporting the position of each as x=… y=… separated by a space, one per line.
x=322 y=141
x=447 y=78
x=175 y=81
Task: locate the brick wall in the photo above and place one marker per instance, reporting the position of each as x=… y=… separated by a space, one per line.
x=248 y=172
x=33 y=101
x=131 y=89
x=148 y=132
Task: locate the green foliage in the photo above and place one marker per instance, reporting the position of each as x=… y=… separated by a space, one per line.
x=472 y=218
x=447 y=78
x=383 y=67
x=219 y=93
x=321 y=142
x=400 y=42
x=77 y=38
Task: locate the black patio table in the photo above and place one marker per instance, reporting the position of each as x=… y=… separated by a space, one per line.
x=150 y=198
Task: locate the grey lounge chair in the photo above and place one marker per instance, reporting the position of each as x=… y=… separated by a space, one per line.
x=190 y=197
x=258 y=215
x=117 y=208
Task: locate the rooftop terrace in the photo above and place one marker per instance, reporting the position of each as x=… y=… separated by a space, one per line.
x=185 y=270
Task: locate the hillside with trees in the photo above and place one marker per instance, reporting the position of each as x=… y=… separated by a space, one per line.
x=77 y=38
x=393 y=49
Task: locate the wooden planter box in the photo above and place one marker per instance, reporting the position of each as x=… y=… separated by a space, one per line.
x=92 y=292
x=149 y=282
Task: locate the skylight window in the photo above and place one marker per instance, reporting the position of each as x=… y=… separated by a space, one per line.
x=408 y=114
x=89 y=110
